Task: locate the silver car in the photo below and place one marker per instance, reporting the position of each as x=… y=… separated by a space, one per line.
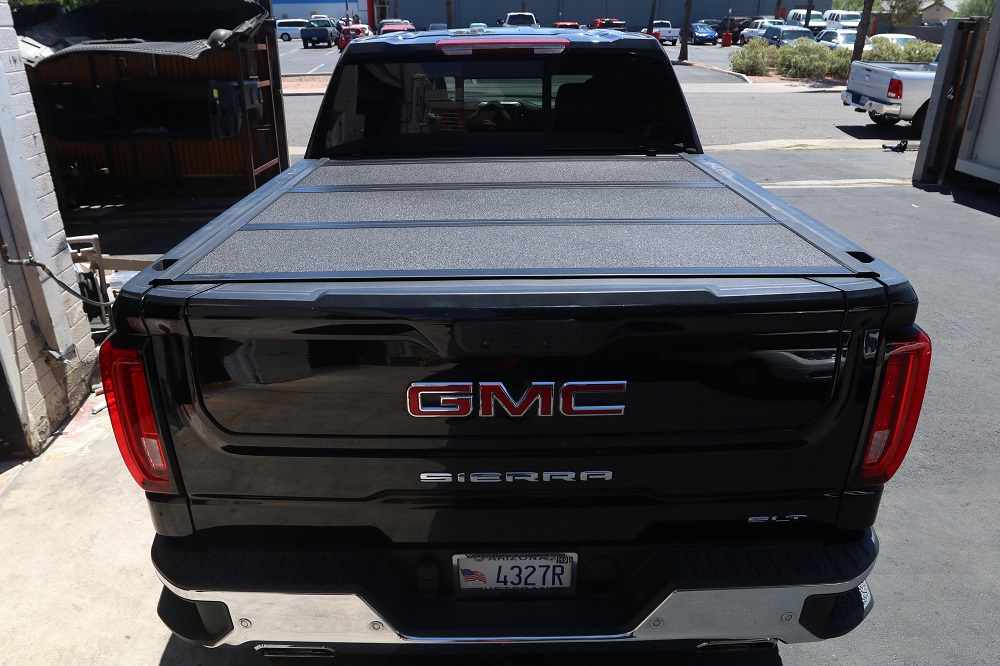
x=840 y=39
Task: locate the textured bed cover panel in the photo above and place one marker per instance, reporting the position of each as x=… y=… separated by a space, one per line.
x=509 y=217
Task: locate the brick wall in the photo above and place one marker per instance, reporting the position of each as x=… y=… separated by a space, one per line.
x=45 y=391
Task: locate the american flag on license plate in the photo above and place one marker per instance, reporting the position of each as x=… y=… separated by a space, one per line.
x=470 y=576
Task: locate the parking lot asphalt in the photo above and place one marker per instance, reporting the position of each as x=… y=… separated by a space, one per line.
x=78 y=588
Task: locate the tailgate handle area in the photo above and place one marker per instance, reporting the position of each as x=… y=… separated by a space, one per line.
x=502 y=338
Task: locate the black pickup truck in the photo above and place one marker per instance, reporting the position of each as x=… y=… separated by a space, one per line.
x=552 y=377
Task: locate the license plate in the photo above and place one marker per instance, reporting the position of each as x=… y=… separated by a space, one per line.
x=551 y=573
x=864 y=100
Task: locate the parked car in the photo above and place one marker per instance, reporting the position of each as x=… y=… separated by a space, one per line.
x=757 y=28
x=478 y=27
x=737 y=24
x=780 y=35
x=891 y=91
x=798 y=17
x=288 y=29
x=896 y=38
x=837 y=19
x=385 y=22
x=390 y=28
x=348 y=34
x=569 y=25
x=519 y=20
x=840 y=39
x=437 y=26
x=665 y=32
x=607 y=24
x=702 y=33
x=319 y=31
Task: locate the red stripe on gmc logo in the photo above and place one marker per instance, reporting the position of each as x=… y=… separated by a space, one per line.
x=457 y=399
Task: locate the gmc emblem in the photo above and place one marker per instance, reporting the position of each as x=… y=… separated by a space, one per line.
x=457 y=399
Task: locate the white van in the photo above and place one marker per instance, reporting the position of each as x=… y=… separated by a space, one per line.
x=288 y=29
x=840 y=19
x=798 y=17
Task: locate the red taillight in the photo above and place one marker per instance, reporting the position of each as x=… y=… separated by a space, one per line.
x=895 y=89
x=131 y=412
x=506 y=45
x=904 y=379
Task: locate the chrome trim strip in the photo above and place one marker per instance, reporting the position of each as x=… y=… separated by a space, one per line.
x=563 y=185
x=735 y=614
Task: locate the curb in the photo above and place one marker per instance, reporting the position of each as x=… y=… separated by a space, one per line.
x=727 y=72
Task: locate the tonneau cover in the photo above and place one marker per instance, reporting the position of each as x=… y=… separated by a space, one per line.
x=515 y=217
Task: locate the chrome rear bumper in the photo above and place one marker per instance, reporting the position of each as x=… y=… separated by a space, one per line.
x=738 y=614
x=880 y=108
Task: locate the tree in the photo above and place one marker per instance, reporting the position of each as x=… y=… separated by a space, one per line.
x=683 y=55
x=856 y=5
x=901 y=12
x=809 y=12
x=863 y=27
x=777 y=9
x=449 y=12
x=652 y=17
x=975 y=8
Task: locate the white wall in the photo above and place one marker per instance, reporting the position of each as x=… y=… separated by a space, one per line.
x=45 y=391
x=307 y=9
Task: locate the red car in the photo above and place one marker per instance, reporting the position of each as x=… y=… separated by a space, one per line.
x=566 y=24
x=347 y=34
x=396 y=27
x=608 y=24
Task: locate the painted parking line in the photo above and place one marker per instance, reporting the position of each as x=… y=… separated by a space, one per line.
x=846 y=182
x=845 y=142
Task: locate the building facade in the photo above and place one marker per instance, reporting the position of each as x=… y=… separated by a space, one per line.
x=47 y=357
x=635 y=13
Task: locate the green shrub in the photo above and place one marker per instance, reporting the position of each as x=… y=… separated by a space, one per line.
x=919 y=51
x=839 y=66
x=757 y=58
x=803 y=59
x=883 y=50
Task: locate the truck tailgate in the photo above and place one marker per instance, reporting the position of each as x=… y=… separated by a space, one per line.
x=690 y=343
x=869 y=80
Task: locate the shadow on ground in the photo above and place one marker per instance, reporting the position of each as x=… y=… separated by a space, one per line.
x=976 y=194
x=898 y=132
x=179 y=653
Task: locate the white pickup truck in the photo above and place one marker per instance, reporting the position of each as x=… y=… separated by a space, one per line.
x=757 y=29
x=665 y=32
x=891 y=91
x=519 y=20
